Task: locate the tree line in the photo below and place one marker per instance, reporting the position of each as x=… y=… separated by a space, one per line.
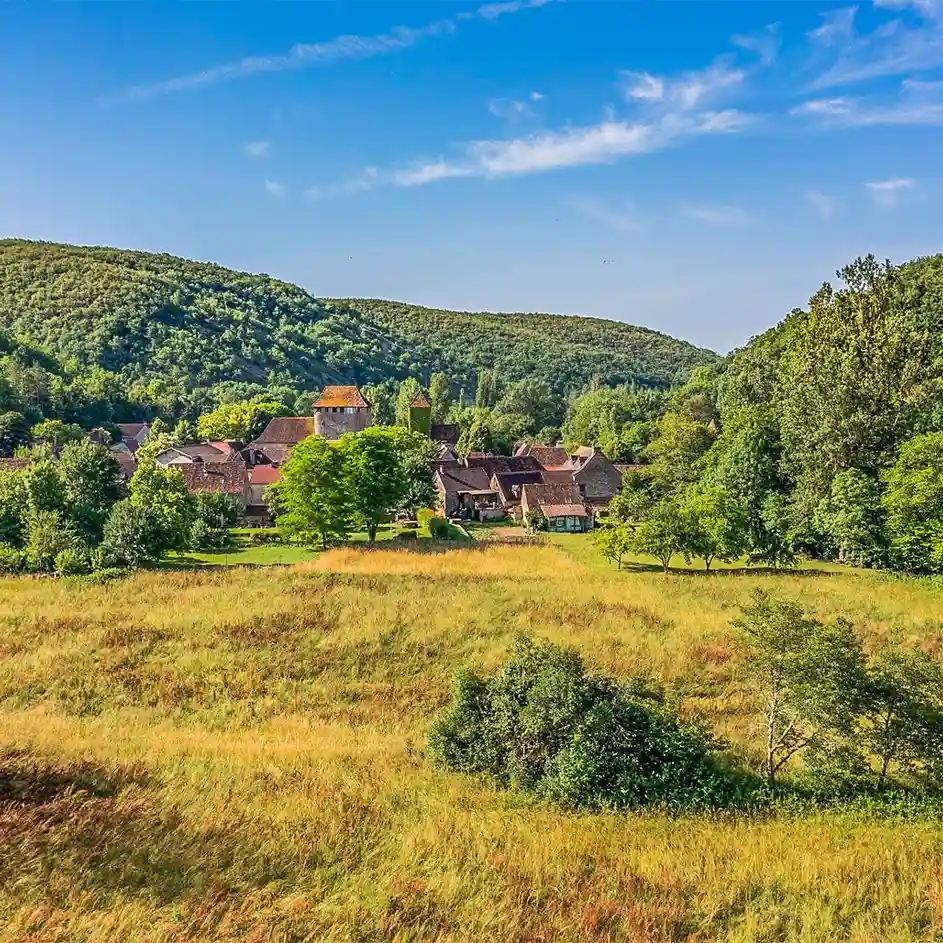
x=822 y=438
x=70 y=512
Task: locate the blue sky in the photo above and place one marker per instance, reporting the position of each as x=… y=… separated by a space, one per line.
x=696 y=167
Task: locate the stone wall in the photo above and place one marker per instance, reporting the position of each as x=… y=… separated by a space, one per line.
x=600 y=477
x=332 y=425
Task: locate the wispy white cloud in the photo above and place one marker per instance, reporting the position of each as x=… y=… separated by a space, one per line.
x=686 y=92
x=492 y=11
x=276 y=189
x=894 y=47
x=918 y=103
x=766 y=44
x=339 y=49
x=429 y=173
x=257 y=148
x=511 y=110
x=838 y=26
x=599 y=143
x=592 y=144
x=621 y=217
x=928 y=8
x=368 y=179
x=887 y=193
x=823 y=204
x=717 y=214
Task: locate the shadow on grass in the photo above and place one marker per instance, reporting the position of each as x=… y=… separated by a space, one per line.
x=720 y=573
x=83 y=828
x=28 y=780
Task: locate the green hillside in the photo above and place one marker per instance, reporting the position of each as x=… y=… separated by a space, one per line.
x=566 y=351
x=190 y=325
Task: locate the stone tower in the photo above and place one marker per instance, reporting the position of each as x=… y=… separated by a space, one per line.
x=341 y=409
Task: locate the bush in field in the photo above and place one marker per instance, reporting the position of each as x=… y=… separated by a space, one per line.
x=534 y=520
x=545 y=725
x=12 y=560
x=73 y=562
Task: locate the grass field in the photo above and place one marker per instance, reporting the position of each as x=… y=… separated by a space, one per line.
x=239 y=755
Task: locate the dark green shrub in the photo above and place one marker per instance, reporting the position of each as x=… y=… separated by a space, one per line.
x=73 y=561
x=266 y=536
x=584 y=741
x=107 y=574
x=439 y=528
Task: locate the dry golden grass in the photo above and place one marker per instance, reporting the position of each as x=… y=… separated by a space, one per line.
x=240 y=756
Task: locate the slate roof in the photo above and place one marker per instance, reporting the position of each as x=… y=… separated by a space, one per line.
x=341 y=396
x=554 y=496
x=509 y=484
x=130 y=429
x=446 y=433
x=206 y=452
x=225 y=477
x=459 y=478
x=286 y=430
x=502 y=464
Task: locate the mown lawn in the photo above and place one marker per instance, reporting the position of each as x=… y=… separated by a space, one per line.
x=243 y=552
x=240 y=755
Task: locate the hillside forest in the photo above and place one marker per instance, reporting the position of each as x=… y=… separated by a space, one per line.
x=129 y=335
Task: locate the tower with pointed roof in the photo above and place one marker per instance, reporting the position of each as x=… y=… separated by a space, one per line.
x=420 y=414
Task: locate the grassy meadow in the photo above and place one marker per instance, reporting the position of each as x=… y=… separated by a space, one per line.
x=238 y=754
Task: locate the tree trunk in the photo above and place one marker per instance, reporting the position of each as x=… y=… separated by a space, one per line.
x=707 y=564
x=771 y=735
x=372 y=532
x=665 y=562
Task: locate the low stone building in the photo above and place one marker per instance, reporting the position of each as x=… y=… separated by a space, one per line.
x=224 y=477
x=258 y=507
x=467 y=492
x=280 y=436
x=598 y=479
x=561 y=504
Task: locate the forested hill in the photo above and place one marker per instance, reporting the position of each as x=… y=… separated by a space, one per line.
x=190 y=325
x=566 y=351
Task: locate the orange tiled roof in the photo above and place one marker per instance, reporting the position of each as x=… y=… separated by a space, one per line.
x=419 y=400
x=264 y=474
x=341 y=396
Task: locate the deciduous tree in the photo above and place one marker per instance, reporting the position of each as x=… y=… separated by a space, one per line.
x=313 y=499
